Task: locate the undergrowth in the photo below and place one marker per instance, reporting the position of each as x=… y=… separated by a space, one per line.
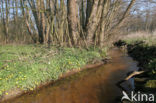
x=27 y=66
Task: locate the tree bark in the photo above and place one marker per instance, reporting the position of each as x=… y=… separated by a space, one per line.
x=93 y=21
x=106 y=5
x=72 y=20
x=5 y=19
x=88 y=10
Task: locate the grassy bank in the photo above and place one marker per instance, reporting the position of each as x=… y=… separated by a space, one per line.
x=27 y=66
x=142 y=47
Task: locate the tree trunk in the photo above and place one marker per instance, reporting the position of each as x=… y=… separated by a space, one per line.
x=106 y=5
x=5 y=20
x=72 y=20
x=93 y=21
x=26 y=16
x=88 y=10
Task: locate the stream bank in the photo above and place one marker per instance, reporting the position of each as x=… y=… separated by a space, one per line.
x=25 y=67
x=145 y=54
x=94 y=85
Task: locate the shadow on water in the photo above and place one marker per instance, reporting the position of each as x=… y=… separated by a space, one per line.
x=96 y=85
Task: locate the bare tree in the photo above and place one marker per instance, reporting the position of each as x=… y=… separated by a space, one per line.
x=64 y=22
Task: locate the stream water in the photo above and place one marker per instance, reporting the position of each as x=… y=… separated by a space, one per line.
x=96 y=85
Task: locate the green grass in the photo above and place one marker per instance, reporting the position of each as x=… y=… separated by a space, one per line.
x=26 y=66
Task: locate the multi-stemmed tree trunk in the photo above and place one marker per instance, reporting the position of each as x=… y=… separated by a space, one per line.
x=26 y=17
x=99 y=15
x=41 y=20
x=92 y=20
x=66 y=21
x=73 y=21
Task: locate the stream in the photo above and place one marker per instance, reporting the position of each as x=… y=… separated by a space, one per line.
x=96 y=85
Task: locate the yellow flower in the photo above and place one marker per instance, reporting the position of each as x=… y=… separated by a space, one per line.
x=6 y=93
x=79 y=68
x=31 y=88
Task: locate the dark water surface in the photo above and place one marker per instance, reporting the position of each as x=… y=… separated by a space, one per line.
x=97 y=85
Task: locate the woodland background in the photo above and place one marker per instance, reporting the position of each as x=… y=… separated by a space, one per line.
x=73 y=22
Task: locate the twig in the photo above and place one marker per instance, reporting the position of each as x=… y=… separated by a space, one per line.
x=134 y=74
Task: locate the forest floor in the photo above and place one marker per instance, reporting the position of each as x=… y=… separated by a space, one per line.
x=142 y=47
x=27 y=66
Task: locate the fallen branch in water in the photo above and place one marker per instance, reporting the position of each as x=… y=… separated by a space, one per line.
x=134 y=74
x=127 y=78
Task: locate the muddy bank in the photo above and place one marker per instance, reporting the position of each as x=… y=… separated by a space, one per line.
x=94 y=85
